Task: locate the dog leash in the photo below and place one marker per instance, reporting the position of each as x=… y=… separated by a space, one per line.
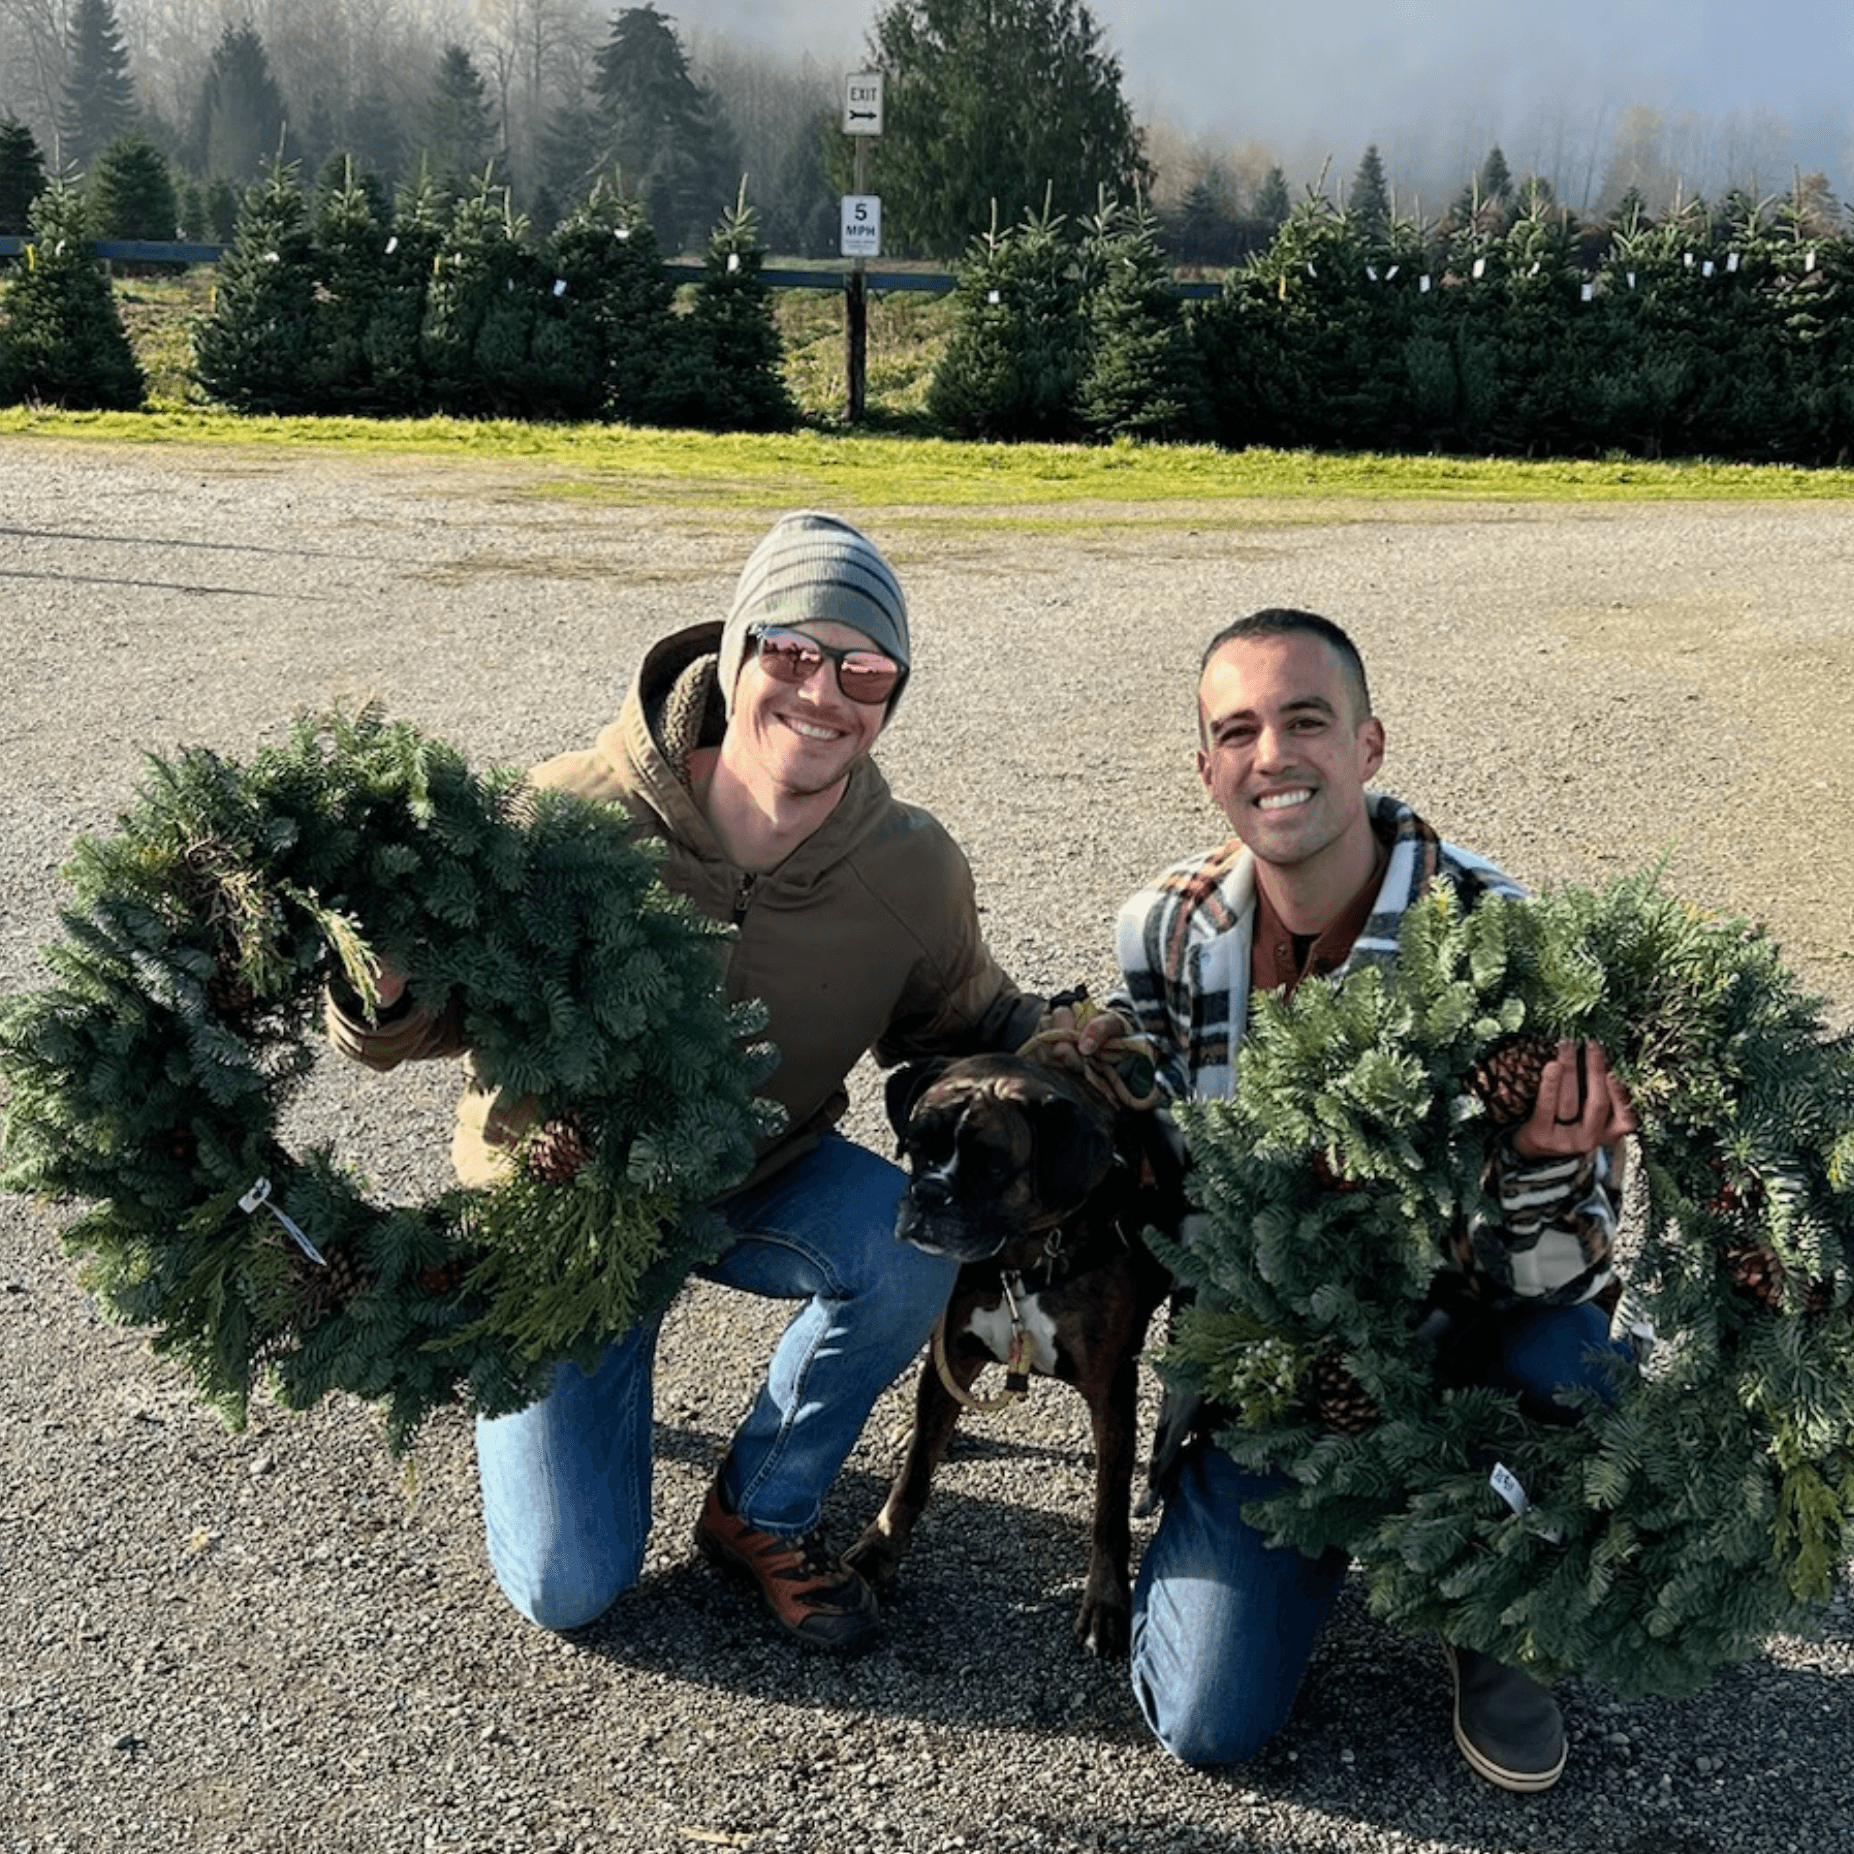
x=1016 y=1366
x=1109 y=1077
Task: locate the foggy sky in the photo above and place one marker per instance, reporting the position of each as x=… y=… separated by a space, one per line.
x=1434 y=83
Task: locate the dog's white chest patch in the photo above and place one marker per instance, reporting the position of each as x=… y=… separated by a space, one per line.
x=991 y=1326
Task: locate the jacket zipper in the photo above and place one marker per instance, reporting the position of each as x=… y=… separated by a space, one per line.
x=744 y=894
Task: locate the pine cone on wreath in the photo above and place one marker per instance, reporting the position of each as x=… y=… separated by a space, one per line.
x=1341 y=1402
x=322 y=1289
x=560 y=1150
x=1761 y=1273
x=1506 y=1080
x=1330 y=1178
x=443 y=1281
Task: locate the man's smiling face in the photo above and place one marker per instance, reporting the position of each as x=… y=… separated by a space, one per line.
x=804 y=738
x=1286 y=751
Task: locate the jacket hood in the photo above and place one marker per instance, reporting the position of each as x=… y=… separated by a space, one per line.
x=673 y=707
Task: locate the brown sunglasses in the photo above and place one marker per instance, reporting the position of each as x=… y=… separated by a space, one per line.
x=863 y=675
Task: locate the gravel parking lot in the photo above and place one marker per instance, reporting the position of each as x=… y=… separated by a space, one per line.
x=282 y=1640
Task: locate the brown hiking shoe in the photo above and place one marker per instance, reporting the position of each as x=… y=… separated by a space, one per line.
x=815 y=1597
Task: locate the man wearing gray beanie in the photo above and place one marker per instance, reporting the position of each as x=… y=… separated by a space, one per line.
x=744 y=748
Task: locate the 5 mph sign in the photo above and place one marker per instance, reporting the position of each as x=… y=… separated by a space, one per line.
x=862 y=226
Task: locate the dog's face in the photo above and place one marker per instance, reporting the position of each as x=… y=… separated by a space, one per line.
x=997 y=1148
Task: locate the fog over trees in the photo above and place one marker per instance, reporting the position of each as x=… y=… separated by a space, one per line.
x=551 y=93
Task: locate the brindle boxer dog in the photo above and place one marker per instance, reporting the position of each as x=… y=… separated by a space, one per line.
x=1040 y=1184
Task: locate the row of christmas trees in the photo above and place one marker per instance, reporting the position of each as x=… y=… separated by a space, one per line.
x=1693 y=336
x=336 y=305
x=1690 y=337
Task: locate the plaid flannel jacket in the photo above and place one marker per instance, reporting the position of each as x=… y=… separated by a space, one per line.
x=1184 y=946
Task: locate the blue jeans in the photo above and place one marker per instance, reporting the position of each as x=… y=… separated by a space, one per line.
x=1224 y=1625
x=566 y=1482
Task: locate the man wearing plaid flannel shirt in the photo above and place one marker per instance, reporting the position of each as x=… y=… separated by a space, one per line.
x=1315 y=881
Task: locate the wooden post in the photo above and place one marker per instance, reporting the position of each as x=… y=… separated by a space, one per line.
x=856 y=310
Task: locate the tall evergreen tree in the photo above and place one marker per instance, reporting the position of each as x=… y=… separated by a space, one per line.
x=458 y=125
x=22 y=175
x=1369 y=200
x=997 y=100
x=129 y=192
x=1272 y=204
x=240 y=123
x=252 y=352
x=63 y=340
x=665 y=134
x=375 y=138
x=97 y=104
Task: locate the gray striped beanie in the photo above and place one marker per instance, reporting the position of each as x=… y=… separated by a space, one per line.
x=814 y=568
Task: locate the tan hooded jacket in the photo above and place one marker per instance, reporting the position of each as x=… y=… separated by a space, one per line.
x=865 y=937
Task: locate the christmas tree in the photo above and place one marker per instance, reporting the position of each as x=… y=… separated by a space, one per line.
x=479 y=310
x=350 y=260
x=392 y=340
x=63 y=341
x=1013 y=363
x=1141 y=379
x=605 y=323
x=726 y=372
x=252 y=351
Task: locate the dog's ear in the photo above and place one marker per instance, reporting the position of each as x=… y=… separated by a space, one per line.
x=905 y=1086
x=1072 y=1153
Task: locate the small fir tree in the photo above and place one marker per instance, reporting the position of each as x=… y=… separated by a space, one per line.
x=22 y=176
x=221 y=210
x=63 y=342
x=252 y=351
x=129 y=192
x=394 y=337
x=479 y=306
x=349 y=238
x=97 y=103
x=602 y=339
x=729 y=375
x=1141 y=379
x=1013 y=362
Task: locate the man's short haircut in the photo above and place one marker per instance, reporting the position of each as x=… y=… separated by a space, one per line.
x=1284 y=621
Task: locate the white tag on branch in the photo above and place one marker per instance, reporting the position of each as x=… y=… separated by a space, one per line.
x=392 y=244
x=733 y=261
x=1480 y=267
x=258 y=1198
x=1506 y=1484
x=559 y=286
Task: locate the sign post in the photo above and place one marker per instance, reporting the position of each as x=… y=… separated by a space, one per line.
x=861 y=231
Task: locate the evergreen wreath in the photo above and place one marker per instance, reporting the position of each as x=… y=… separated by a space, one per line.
x=147 y=1083
x=1665 y=1532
